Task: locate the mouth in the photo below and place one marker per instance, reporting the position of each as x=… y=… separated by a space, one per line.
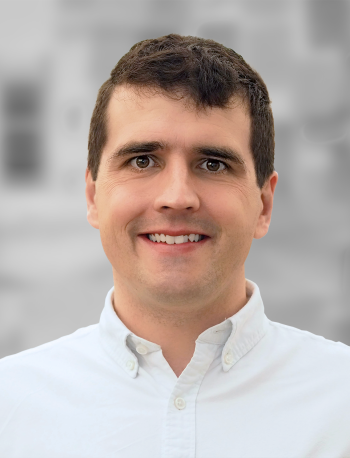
x=178 y=240
x=174 y=247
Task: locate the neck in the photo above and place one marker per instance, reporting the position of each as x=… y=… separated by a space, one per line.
x=176 y=330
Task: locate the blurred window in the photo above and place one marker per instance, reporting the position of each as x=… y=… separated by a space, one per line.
x=21 y=101
x=22 y=153
x=22 y=106
x=328 y=22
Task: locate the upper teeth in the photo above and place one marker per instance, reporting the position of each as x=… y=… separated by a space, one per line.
x=171 y=240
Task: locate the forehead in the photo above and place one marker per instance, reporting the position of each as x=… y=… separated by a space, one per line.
x=148 y=115
x=131 y=100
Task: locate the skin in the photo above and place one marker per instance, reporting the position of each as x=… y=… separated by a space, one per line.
x=171 y=300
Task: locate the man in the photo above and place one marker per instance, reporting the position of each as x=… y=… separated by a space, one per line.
x=184 y=362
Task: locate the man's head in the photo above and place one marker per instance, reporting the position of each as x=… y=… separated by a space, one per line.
x=176 y=155
x=207 y=73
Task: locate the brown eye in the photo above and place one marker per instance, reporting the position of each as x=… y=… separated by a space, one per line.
x=142 y=161
x=213 y=165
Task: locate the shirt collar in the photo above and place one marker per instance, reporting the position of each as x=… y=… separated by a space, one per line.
x=238 y=334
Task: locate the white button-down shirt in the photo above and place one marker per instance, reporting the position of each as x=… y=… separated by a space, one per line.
x=253 y=389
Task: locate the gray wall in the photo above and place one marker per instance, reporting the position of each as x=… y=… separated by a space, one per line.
x=54 y=55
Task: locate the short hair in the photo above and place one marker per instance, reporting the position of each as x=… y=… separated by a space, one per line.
x=204 y=71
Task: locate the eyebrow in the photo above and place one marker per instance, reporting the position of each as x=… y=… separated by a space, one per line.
x=221 y=152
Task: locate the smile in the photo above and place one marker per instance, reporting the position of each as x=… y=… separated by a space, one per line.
x=171 y=240
x=174 y=248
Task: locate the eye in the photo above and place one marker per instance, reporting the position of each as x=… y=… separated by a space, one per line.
x=143 y=161
x=215 y=162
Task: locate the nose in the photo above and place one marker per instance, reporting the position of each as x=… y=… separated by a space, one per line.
x=176 y=187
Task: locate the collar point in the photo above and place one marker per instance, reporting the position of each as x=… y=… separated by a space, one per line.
x=133 y=373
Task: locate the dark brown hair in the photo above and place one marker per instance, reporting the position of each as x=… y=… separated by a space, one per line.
x=205 y=72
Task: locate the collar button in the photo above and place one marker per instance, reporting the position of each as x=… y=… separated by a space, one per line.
x=141 y=349
x=130 y=365
x=228 y=358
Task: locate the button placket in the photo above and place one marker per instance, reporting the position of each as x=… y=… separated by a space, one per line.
x=181 y=411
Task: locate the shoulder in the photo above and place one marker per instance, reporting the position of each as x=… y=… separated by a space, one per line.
x=42 y=351
x=41 y=373
x=310 y=350
x=297 y=335
x=30 y=369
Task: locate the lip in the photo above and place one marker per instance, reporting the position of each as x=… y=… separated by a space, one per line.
x=174 y=233
x=174 y=249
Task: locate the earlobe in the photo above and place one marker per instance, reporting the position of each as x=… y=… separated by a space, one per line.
x=90 y=194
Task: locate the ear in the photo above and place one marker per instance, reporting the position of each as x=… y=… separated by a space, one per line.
x=90 y=193
x=266 y=193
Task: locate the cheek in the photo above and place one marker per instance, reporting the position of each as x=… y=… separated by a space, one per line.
x=237 y=217
x=230 y=207
x=123 y=193
x=120 y=206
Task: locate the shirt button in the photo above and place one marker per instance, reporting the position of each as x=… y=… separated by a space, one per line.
x=141 y=349
x=130 y=365
x=180 y=403
x=228 y=358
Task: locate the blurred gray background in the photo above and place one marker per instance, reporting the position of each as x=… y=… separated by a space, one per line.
x=54 y=56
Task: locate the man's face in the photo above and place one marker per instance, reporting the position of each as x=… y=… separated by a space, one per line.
x=176 y=187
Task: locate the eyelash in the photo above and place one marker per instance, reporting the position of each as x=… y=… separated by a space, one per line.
x=207 y=171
